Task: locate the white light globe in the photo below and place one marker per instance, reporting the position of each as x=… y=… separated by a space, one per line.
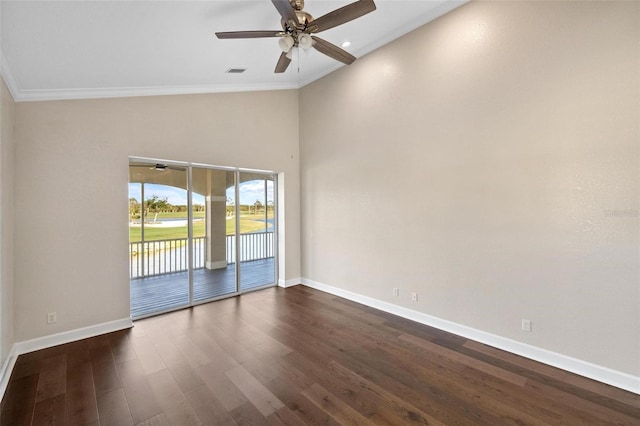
x=305 y=41
x=286 y=43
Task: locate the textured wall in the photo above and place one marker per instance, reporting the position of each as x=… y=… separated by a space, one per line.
x=71 y=176
x=488 y=161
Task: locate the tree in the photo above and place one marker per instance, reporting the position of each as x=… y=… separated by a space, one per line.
x=257 y=206
x=134 y=209
x=155 y=205
x=231 y=208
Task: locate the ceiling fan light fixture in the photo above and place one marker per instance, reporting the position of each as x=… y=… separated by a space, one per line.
x=286 y=43
x=298 y=27
x=346 y=44
x=305 y=40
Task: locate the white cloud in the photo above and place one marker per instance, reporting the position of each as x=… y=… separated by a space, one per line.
x=249 y=193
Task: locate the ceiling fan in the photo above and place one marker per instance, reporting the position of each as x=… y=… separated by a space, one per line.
x=298 y=28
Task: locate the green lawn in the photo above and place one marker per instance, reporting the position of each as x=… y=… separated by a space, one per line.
x=247 y=224
x=151 y=233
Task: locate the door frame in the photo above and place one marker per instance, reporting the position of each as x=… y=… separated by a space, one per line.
x=190 y=261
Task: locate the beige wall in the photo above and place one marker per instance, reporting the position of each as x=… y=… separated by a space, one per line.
x=7 y=111
x=488 y=161
x=71 y=175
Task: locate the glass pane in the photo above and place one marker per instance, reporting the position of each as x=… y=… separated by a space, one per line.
x=214 y=272
x=257 y=230
x=158 y=261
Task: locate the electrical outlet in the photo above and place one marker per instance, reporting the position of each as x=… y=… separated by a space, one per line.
x=526 y=325
x=52 y=317
x=414 y=296
x=396 y=291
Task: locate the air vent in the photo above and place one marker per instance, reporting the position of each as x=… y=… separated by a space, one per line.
x=235 y=70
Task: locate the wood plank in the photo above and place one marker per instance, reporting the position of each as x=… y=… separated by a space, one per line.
x=390 y=408
x=105 y=377
x=214 y=352
x=158 y=420
x=297 y=356
x=77 y=353
x=19 y=400
x=209 y=410
x=291 y=395
x=172 y=400
x=81 y=404
x=525 y=363
x=50 y=411
x=266 y=402
x=334 y=406
x=113 y=409
x=147 y=355
x=222 y=387
x=53 y=377
x=248 y=415
x=141 y=399
x=195 y=356
x=121 y=348
x=184 y=374
x=285 y=417
x=465 y=360
x=577 y=407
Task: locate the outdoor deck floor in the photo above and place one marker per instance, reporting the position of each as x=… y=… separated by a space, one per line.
x=163 y=292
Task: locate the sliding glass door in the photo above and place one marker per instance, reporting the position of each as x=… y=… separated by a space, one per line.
x=214 y=274
x=197 y=234
x=158 y=238
x=257 y=230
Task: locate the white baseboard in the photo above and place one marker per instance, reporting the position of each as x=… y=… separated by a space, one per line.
x=289 y=283
x=7 y=368
x=596 y=372
x=27 y=346
x=72 y=335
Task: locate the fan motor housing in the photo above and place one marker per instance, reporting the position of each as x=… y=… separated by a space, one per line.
x=303 y=20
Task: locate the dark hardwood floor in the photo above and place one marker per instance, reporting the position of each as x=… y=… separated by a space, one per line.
x=297 y=356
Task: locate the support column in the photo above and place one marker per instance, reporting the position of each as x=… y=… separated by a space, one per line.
x=216 y=220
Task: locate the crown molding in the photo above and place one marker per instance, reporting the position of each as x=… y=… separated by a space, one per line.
x=20 y=95
x=122 y=92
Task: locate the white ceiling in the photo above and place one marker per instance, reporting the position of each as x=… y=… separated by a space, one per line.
x=88 y=49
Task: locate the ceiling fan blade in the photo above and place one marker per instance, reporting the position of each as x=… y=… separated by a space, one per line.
x=283 y=63
x=332 y=50
x=287 y=12
x=342 y=15
x=248 y=34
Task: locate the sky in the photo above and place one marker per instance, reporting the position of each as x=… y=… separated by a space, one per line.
x=249 y=193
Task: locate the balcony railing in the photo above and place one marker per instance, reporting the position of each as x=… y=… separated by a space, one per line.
x=166 y=256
